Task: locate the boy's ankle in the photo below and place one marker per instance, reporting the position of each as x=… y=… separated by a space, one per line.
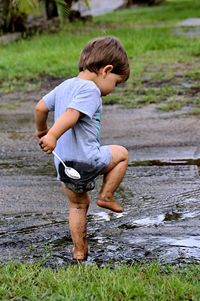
x=80 y=254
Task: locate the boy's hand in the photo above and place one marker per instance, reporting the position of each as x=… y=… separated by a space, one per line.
x=40 y=134
x=48 y=143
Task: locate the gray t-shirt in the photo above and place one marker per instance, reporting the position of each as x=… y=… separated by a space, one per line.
x=80 y=147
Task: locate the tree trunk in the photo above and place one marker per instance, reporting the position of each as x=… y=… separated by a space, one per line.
x=1 y=16
x=4 y=12
x=53 y=8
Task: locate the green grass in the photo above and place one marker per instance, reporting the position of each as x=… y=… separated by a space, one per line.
x=169 y=12
x=138 y=282
x=160 y=58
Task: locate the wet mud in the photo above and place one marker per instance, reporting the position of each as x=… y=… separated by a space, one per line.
x=160 y=192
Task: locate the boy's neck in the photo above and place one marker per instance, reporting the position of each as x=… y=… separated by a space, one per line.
x=87 y=75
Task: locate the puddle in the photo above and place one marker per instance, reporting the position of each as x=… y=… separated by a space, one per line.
x=189 y=27
x=104 y=216
x=166 y=163
x=188 y=242
x=167 y=217
x=150 y=220
x=191 y=32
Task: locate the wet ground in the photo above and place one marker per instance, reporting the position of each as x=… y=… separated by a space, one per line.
x=160 y=192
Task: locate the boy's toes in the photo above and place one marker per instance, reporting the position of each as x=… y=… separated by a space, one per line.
x=111 y=205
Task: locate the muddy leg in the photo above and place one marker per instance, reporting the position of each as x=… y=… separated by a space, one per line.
x=112 y=178
x=78 y=207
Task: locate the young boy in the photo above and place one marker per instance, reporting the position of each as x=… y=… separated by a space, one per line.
x=77 y=107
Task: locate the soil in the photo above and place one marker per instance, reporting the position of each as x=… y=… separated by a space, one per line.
x=160 y=192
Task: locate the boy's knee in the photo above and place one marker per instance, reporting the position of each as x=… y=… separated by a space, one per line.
x=79 y=205
x=124 y=152
x=80 y=202
x=77 y=200
x=119 y=153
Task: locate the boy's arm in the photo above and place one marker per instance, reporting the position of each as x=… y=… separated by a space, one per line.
x=41 y=114
x=66 y=121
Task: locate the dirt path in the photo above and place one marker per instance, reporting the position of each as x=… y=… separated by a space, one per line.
x=99 y=7
x=160 y=192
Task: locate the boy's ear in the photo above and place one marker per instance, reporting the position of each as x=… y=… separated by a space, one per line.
x=107 y=69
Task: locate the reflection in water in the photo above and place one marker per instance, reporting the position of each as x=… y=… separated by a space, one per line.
x=105 y=216
x=188 y=242
x=170 y=162
x=101 y=216
x=167 y=217
x=147 y=221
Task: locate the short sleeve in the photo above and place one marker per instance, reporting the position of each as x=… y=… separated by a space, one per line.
x=49 y=100
x=87 y=101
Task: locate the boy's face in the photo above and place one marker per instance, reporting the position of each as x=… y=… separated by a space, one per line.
x=107 y=81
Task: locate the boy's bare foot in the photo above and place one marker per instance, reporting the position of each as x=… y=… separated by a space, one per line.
x=80 y=255
x=110 y=204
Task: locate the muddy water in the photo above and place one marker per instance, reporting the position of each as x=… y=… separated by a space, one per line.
x=160 y=194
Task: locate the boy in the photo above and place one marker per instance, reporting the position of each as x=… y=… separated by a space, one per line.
x=77 y=107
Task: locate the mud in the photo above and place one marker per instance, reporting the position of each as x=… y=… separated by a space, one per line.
x=160 y=192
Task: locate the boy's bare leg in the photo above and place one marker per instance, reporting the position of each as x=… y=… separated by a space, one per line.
x=78 y=207
x=113 y=177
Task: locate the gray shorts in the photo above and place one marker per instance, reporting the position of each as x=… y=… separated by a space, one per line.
x=87 y=172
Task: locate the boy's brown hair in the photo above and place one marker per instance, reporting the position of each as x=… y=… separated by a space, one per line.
x=105 y=51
